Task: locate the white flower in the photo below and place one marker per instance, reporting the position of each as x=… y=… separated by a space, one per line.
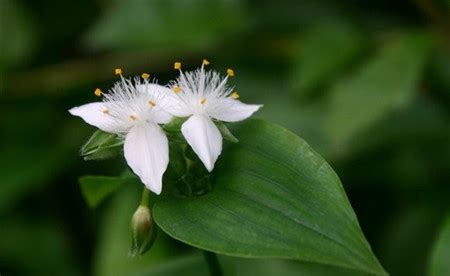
x=134 y=110
x=203 y=96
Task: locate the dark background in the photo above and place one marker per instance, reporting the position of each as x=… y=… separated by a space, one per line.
x=307 y=61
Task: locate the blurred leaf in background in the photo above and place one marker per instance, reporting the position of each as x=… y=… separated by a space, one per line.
x=36 y=247
x=440 y=258
x=96 y=188
x=387 y=82
x=323 y=52
x=365 y=83
x=17 y=34
x=111 y=254
x=162 y=24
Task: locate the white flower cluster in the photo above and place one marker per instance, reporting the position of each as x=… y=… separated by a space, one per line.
x=135 y=109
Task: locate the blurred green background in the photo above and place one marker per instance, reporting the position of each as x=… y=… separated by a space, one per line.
x=366 y=83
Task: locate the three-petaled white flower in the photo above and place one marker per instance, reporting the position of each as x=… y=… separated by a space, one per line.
x=134 y=110
x=202 y=96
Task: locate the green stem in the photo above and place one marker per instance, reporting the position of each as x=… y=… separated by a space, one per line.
x=145 y=197
x=213 y=263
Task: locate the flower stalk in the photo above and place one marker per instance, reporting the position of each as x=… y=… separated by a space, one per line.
x=145 y=197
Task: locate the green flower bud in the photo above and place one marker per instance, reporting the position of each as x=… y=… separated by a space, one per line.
x=143 y=231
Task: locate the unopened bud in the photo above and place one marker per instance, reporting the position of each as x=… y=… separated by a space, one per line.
x=143 y=231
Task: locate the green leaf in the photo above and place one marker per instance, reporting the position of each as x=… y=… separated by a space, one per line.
x=276 y=267
x=121 y=25
x=26 y=169
x=194 y=264
x=96 y=188
x=113 y=241
x=22 y=235
x=440 y=259
x=273 y=196
x=324 y=51
x=190 y=265
x=226 y=133
x=383 y=85
x=18 y=26
x=101 y=145
x=174 y=126
x=397 y=236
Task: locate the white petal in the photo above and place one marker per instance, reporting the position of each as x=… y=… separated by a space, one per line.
x=178 y=104
x=204 y=138
x=147 y=153
x=231 y=110
x=161 y=116
x=93 y=114
x=178 y=108
x=162 y=97
x=154 y=90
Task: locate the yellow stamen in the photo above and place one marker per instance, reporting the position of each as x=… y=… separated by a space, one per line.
x=235 y=95
x=205 y=62
x=98 y=92
x=151 y=103
x=118 y=71
x=176 y=89
x=133 y=117
x=177 y=65
x=106 y=111
x=230 y=72
x=203 y=101
x=145 y=76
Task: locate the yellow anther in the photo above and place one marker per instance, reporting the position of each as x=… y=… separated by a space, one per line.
x=205 y=62
x=176 y=89
x=118 y=71
x=230 y=72
x=145 y=76
x=98 y=92
x=177 y=65
x=133 y=117
x=106 y=111
x=203 y=101
x=151 y=103
x=234 y=95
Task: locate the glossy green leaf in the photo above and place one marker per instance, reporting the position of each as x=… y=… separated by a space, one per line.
x=96 y=188
x=273 y=196
x=101 y=145
x=386 y=83
x=440 y=260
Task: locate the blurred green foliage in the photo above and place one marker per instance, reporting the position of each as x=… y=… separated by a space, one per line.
x=365 y=83
x=440 y=259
